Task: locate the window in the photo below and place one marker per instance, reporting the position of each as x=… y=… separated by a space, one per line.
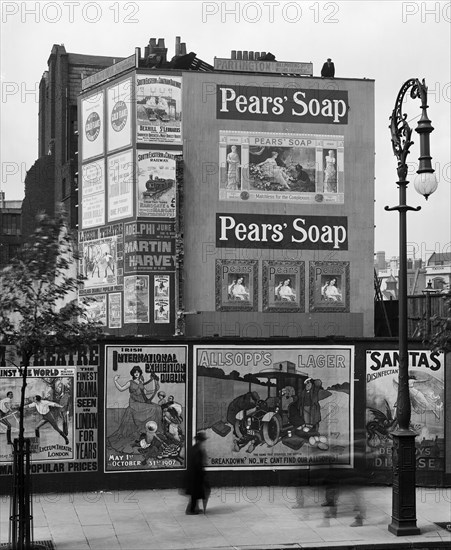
x=10 y=224
x=438 y=283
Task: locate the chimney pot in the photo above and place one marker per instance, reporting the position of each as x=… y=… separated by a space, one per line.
x=245 y=55
x=251 y=56
x=233 y=56
x=239 y=54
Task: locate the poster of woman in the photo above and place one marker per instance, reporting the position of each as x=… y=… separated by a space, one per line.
x=329 y=286
x=145 y=399
x=283 y=285
x=236 y=285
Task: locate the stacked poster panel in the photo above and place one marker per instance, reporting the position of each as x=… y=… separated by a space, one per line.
x=150 y=246
x=426 y=379
x=145 y=403
x=107 y=194
x=61 y=410
x=272 y=407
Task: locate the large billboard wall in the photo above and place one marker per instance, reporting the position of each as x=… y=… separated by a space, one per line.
x=272 y=413
x=281 y=172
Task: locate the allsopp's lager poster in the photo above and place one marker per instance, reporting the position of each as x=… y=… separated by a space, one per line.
x=275 y=407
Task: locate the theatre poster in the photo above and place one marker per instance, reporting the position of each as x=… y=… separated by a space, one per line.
x=63 y=439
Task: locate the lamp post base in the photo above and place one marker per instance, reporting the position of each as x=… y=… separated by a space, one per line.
x=404 y=521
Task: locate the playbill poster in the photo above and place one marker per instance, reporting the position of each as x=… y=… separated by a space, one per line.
x=156 y=184
x=120 y=186
x=161 y=299
x=99 y=262
x=158 y=109
x=93 y=194
x=145 y=401
x=92 y=125
x=136 y=299
x=119 y=115
x=275 y=407
x=273 y=167
x=95 y=307
x=426 y=373
x=61 y=410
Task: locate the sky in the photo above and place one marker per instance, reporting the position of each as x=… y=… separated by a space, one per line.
x=388 y=41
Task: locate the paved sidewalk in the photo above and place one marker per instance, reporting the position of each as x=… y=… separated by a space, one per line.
x=244 y=518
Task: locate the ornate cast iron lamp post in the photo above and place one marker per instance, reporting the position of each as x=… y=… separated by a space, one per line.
x=404 y=520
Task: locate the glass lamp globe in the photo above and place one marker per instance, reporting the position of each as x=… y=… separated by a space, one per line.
x=425 y=183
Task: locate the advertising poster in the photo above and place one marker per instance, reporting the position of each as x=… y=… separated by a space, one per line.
x=236 y=285
x=426 y=390
x=93 y=178
x=95 y=306
x=161 y=299
x=273 y=167
x=120 y=186
x=145 y=401
x=119 y=115
x=264 y=104
x=149 y=247
x=61 y=410
x=329 y=286
x=283 y=232
x=115 y=310
x=93 y=194
x=156 y=184
x=136 y=299
x=275 y=407
x=93 y=210
x=283 y=286
x=92 y=126
x=99 y=262
x=159 y=109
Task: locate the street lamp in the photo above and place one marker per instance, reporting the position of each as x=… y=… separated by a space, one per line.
x=404 y=520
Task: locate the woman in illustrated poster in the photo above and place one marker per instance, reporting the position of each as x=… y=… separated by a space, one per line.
x=330 y=173
x=233 y=161
x=237 y=290
x=330 y=292
x=272 y=170
x=140 y=410
x=284 y=291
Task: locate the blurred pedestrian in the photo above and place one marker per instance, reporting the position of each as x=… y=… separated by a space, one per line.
x=197 y=486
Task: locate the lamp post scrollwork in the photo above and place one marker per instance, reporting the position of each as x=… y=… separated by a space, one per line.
x=403 y=499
